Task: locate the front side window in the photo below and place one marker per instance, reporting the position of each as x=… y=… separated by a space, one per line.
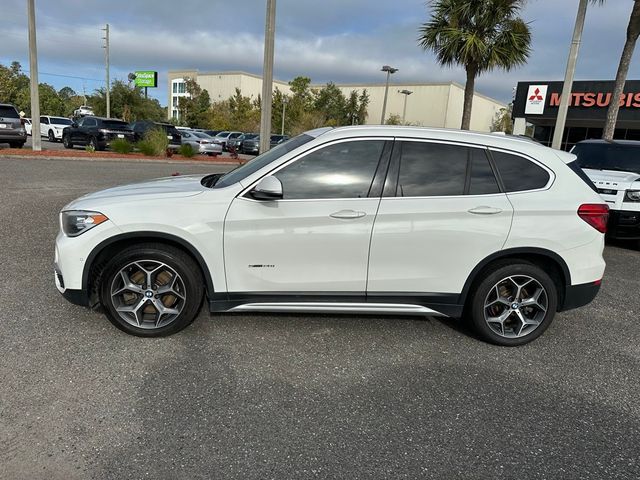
x=519 y=174
x=44 y=120
x=432 y=170
x=341 y=170
x=89 y=122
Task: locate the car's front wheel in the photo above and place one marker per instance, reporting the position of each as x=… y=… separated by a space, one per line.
x=514 y=303
x=151 y=290
x=66 y=141
x=50 y=136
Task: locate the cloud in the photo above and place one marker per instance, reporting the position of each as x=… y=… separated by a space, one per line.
x=337 y=40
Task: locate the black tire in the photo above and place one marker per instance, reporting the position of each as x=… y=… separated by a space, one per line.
x=492 y=277
x=51 y=137
x=66 y=141
x=16 y=144
x=177 y=260
x=93 y=142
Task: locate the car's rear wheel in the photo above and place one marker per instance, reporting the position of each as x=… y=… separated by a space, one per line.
x=151 y=290
x=514 y=303
x=66 y=141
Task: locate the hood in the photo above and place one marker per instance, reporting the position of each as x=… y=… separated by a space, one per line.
x=168 y=187
x=612 y=178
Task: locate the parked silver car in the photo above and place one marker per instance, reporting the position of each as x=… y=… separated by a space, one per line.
x=201 y=142
x=11 y=128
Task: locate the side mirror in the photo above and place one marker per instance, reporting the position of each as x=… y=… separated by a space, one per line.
x=269 y=188
x=74 y=125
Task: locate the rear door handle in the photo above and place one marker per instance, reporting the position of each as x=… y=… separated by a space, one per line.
x=347 y=214
x=484 y=210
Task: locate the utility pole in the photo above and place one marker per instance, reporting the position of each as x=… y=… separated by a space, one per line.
x=106 y=62
x=267 y=76
x=36 y=140
x=406 y=94
x=389 y=71
x=284 y=113
x=569 y=74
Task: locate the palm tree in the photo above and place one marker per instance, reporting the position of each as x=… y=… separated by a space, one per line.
x=478 y=35
x=633 y=32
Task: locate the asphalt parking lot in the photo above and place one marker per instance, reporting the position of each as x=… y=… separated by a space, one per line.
x=293 y=396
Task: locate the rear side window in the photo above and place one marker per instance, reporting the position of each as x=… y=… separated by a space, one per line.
x=431 y=170
x=8 y=112
x=519 y=174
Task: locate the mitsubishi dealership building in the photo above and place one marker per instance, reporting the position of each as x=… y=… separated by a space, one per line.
x=536 y=105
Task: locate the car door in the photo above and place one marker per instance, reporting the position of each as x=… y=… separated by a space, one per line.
x=44 y=126
x=316 y=238
x=86 y=129
x=442 y=212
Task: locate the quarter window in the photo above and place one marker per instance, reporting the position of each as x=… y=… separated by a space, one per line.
x=519 y=174
x=342 y=170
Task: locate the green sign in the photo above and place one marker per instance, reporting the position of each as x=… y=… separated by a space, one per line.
x=146 y=78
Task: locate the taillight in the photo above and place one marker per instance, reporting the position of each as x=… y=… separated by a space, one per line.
x=595 y=214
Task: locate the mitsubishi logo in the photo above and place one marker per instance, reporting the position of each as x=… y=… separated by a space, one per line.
x=536 y=95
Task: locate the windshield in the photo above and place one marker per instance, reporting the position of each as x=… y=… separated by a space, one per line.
x=223 y=134
x=605 y=156
x=60 y=121
x=202 y=135
x=260 y=161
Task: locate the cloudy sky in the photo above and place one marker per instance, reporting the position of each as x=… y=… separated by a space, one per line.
x=345 y=41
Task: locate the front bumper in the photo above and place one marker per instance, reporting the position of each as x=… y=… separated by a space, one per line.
x=210 y=148
x=624 y=225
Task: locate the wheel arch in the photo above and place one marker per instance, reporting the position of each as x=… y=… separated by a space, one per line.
x=549 y=261
x=96 y=260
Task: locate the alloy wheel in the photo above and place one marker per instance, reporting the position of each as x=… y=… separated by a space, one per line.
x=516 y=306
x=148 y=294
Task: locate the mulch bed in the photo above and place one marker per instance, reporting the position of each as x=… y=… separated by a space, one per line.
x=26 y=152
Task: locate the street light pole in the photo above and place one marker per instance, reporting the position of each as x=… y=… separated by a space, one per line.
x=106 y=61
x=406 y=94
x=36 y=141
x=389 y=70
x=267 y=77
x=569 y=74
x=284 y=113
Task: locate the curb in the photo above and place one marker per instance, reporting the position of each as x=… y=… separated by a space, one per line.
x=119 y=159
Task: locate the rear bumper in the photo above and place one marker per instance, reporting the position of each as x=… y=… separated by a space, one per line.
x=624 y=224
x=577 y=296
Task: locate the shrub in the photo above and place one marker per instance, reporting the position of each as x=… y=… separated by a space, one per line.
x=121 y=145
x=186 y=150
x=154 y=144
x=90 y=148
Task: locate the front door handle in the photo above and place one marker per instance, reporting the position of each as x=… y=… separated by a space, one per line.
x=484 y=210
x=348 y=214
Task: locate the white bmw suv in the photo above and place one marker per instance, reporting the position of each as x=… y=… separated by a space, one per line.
x=370 y=219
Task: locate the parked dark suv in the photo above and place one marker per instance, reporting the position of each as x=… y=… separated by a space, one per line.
x=11 y=128
x=141 y=127
x=96 y=131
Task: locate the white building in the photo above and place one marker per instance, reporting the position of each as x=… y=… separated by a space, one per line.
x=429 y=104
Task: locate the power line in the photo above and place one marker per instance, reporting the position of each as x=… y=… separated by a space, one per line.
x=67 y=76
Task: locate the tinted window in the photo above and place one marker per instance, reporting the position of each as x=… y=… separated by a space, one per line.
x=518 y=173
x=342 y=170
x=8 y=112
x=602 y=156
x=60 y=121
x=482 y=181
x=114 y=124
x=44 y=120
x=575 y=166
x=89 y=122
x=431 y=169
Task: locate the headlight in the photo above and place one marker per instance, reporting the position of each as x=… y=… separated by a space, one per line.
x=633 y=196
x=76 y=222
